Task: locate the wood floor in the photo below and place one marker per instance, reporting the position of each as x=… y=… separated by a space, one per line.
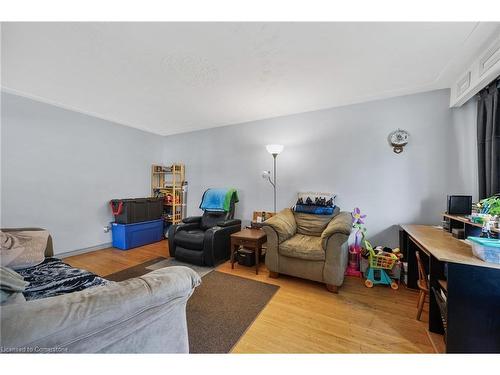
x=107 y=261
x=303 y=317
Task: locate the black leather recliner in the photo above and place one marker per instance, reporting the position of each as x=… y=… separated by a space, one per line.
x=204 y=240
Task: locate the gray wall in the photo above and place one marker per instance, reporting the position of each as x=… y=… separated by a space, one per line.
x=464 y=137
x=343 y=150
x=60 y=168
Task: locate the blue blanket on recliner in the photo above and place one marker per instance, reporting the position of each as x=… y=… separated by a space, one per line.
x=218 y=199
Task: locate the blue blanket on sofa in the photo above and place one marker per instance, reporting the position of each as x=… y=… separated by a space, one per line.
x=53 y=277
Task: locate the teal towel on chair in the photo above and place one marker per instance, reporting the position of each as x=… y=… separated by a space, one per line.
x=218 y=199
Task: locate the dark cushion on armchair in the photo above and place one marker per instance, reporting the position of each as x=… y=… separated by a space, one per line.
x=211 y=219
x=190 y=239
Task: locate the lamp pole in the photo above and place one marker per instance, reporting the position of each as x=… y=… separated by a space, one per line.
x=274 y=178
x=274 y=150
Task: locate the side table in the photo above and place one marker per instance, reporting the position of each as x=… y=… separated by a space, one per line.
x=249 y=238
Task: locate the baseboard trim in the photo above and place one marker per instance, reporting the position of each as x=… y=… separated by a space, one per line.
x=83 y=251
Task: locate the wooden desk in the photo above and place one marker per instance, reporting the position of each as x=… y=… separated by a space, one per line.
x=444 y=246
x=470 y=316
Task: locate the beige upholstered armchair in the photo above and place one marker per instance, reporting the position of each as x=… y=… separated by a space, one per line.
x=312 y=247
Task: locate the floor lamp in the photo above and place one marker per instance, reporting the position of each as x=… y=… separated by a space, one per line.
x=274 y=150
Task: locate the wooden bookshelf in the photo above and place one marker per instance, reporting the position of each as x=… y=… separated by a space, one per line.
x=168 y=181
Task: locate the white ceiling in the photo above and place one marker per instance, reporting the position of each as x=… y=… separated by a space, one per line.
x=170 y=78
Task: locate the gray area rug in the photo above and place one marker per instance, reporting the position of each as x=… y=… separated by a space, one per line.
x=152 y=265
x=220 y=310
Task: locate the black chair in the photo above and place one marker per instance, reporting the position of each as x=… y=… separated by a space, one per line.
x=204 y=240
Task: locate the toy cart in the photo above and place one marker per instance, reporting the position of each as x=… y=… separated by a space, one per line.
x=378 y=263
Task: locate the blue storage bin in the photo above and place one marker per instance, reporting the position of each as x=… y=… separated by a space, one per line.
x=487 y=249
x=128 y=236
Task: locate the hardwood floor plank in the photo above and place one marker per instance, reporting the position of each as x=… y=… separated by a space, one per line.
x=107 y=261
x=358 y=319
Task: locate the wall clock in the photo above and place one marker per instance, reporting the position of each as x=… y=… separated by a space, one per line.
x=398 y=139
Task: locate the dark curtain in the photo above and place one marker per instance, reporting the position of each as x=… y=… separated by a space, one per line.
x=488 y=140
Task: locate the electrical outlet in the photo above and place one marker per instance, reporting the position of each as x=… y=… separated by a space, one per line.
x=107 y=229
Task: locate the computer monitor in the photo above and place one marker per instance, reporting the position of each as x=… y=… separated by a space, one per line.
x=459 y=204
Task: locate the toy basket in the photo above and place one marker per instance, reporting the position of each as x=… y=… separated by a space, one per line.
x=380 y=261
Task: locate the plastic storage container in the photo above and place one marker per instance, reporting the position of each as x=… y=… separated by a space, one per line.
x=128 y=236
x=154 y=208
x=246 y=257
x=487 y=249
x=136 y=210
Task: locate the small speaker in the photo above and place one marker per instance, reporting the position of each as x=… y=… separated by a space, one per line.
x=459 y=204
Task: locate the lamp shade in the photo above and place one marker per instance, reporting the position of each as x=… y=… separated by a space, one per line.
x=274 y=149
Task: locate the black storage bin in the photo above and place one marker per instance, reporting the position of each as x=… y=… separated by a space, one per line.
x=136 y=210
x=155 y=208
x=246 y=257
x=129 y=211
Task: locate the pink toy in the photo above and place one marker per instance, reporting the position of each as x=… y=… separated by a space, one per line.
x=354 y=243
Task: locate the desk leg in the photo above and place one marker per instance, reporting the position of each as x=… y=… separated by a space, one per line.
x=412 y=264
x=403 y=244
